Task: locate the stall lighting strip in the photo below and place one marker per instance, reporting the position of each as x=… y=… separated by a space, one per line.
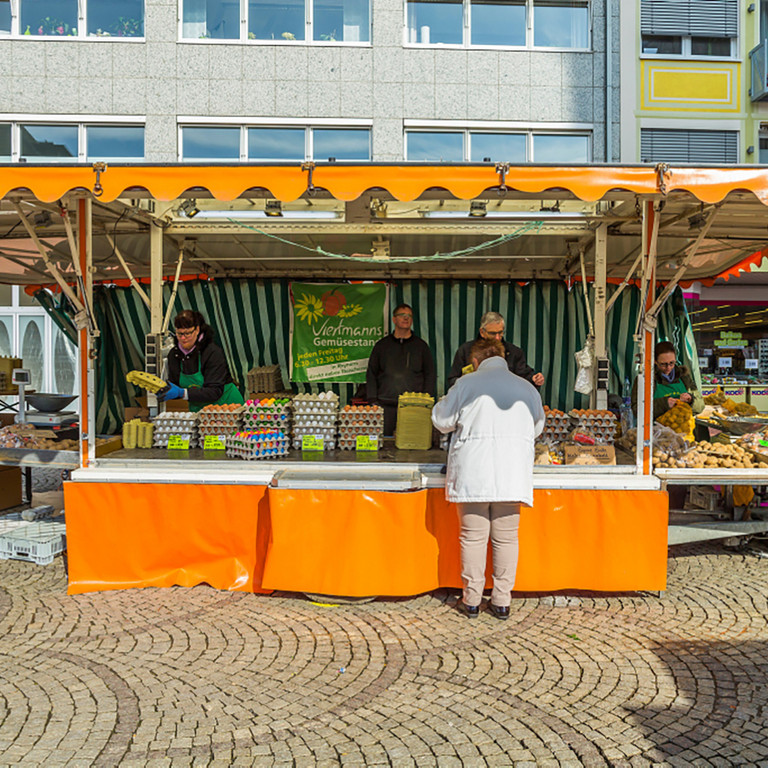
x=532 y=226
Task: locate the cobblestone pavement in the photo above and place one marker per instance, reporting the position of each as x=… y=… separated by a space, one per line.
x=201 y=677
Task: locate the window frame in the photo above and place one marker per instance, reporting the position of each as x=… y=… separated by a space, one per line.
x=309 y=126
x=525 y=129
x=243 y=38
x=82 y=27
x=82 y=124
x=466 y=43
x=685 y=52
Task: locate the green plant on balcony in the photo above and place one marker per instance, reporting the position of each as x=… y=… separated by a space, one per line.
x=127 y=26
x=52 y=26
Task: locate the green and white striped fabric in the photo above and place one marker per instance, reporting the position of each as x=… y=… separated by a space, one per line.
x=252 y=320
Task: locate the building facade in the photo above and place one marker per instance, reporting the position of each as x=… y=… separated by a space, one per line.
x=253 y=80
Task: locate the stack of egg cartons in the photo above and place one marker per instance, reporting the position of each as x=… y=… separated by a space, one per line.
x=269 y=412
x=357 y=420
x=414 y=421
x=599 y=424
x=315 y=415
x=556 y=427
x=177 y=423
x=261 y=443
x=219 y=420
x=266 y=378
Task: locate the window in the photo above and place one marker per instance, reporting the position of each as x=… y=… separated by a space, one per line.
x=273 y=142
x=689 y=27
x=477 y=146
x=37 y=141
x=513 y=23
x=762 y=157
x=73 y=18
x=680 y=146
x=284 y=21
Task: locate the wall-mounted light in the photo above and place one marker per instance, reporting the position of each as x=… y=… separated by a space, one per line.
x=189 y=208
x=478 y=208
x=751 y=8
x=751 y=149
x=273 y=208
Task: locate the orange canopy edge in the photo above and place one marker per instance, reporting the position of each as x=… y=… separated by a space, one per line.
x=405 y=182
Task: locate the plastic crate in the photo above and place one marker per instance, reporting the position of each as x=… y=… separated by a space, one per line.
x=11 y=522
x=35 y=542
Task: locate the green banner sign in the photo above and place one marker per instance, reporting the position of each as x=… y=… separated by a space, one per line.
x=334 y=329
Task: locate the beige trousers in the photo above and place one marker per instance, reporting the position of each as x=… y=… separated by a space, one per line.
x=479 y=520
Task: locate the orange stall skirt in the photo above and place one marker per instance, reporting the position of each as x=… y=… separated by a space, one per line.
x=352 y=543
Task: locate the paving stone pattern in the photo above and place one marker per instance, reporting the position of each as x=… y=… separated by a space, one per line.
x=201 y=677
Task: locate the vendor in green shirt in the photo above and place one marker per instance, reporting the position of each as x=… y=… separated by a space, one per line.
x=671 y=382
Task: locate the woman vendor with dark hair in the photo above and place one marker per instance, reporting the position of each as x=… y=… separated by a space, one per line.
x=197 y=369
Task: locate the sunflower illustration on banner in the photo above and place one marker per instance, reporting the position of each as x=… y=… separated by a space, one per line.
x=334 y=328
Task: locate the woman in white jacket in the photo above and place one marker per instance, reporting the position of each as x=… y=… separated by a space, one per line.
x=495 y=417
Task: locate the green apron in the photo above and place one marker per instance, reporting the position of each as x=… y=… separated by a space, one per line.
x=230 y=395
x=667 y=389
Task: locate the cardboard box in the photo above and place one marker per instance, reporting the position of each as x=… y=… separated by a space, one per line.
x=136 y=413
x=590 y=454
x=6 y=419
x=114 y=443
x=10 y=487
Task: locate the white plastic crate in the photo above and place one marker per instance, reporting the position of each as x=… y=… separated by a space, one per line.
x=36 y=542
x=11 y=522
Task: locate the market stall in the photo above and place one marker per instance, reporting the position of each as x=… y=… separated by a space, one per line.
x=330 y=522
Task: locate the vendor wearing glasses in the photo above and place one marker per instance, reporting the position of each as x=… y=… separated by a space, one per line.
x=671 y=382
x=197 y=369
x=492 y=328
x=400 y=362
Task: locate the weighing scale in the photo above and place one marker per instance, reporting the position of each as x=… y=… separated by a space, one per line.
x=47 y=413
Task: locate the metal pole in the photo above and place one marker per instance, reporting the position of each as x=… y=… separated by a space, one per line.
x=87 y=378
x=601 y=246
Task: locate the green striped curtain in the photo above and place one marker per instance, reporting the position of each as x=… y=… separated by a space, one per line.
x=252 y=320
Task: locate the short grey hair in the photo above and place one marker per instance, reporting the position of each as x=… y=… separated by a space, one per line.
x=489 y=318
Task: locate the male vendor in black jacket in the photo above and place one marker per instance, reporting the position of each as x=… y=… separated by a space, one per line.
x=492 y=327
x=400 y=362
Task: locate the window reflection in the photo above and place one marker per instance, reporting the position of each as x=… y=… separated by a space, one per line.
x=216 y=19
x=710 y=46
x=115 y=141
x=663 y=44
x=554 y=148
x=499 y=147
x=64 y=361
x=428 y=146
x=276 y=20
x=560 y=24
x=211 y=143
x=498 y=22
x=49 y=141
x=276 y=144
x=32 y=331
x=341 y=20
x=5 y=141
x=341 y=143
x=435 y=22
x=116 y=18
x=6 y=334
x=5 y=17
x=49 y=17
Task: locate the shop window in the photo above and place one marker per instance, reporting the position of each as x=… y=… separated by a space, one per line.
x=210 y=143
x=689 y=27
x=513 y=23
x=64 y=364
x=32 y=333
x=6 y=335
x=115 y=142
x=341 y=144
x=322 y=21
x=5 y=141
x=5 y=17
x=560 y=148
x=763 y=145
x=73 y=18
x=48 y=142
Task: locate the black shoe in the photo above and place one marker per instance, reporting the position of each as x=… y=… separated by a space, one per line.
x=470 y=611
x=499 y=611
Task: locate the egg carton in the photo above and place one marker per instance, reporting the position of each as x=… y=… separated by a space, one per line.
x=257 y=445
x=358 y=430
x=217 y=429
x=325 y=431
x=220 y=417
x=315 y=410
x=319 y=422
x=361 y=418
x=176 y=415
x=267 y=417
x=350 y=444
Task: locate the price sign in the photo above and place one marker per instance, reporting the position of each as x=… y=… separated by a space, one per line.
x=178 y=443
x=703 y=362
x=724 y=362
x=367 y=443
x=751 y=365
x=312 y=443
x=214 y=443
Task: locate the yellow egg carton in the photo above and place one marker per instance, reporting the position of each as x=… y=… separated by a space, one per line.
x=137 y=434
x=416 y=398
x=145 y=380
